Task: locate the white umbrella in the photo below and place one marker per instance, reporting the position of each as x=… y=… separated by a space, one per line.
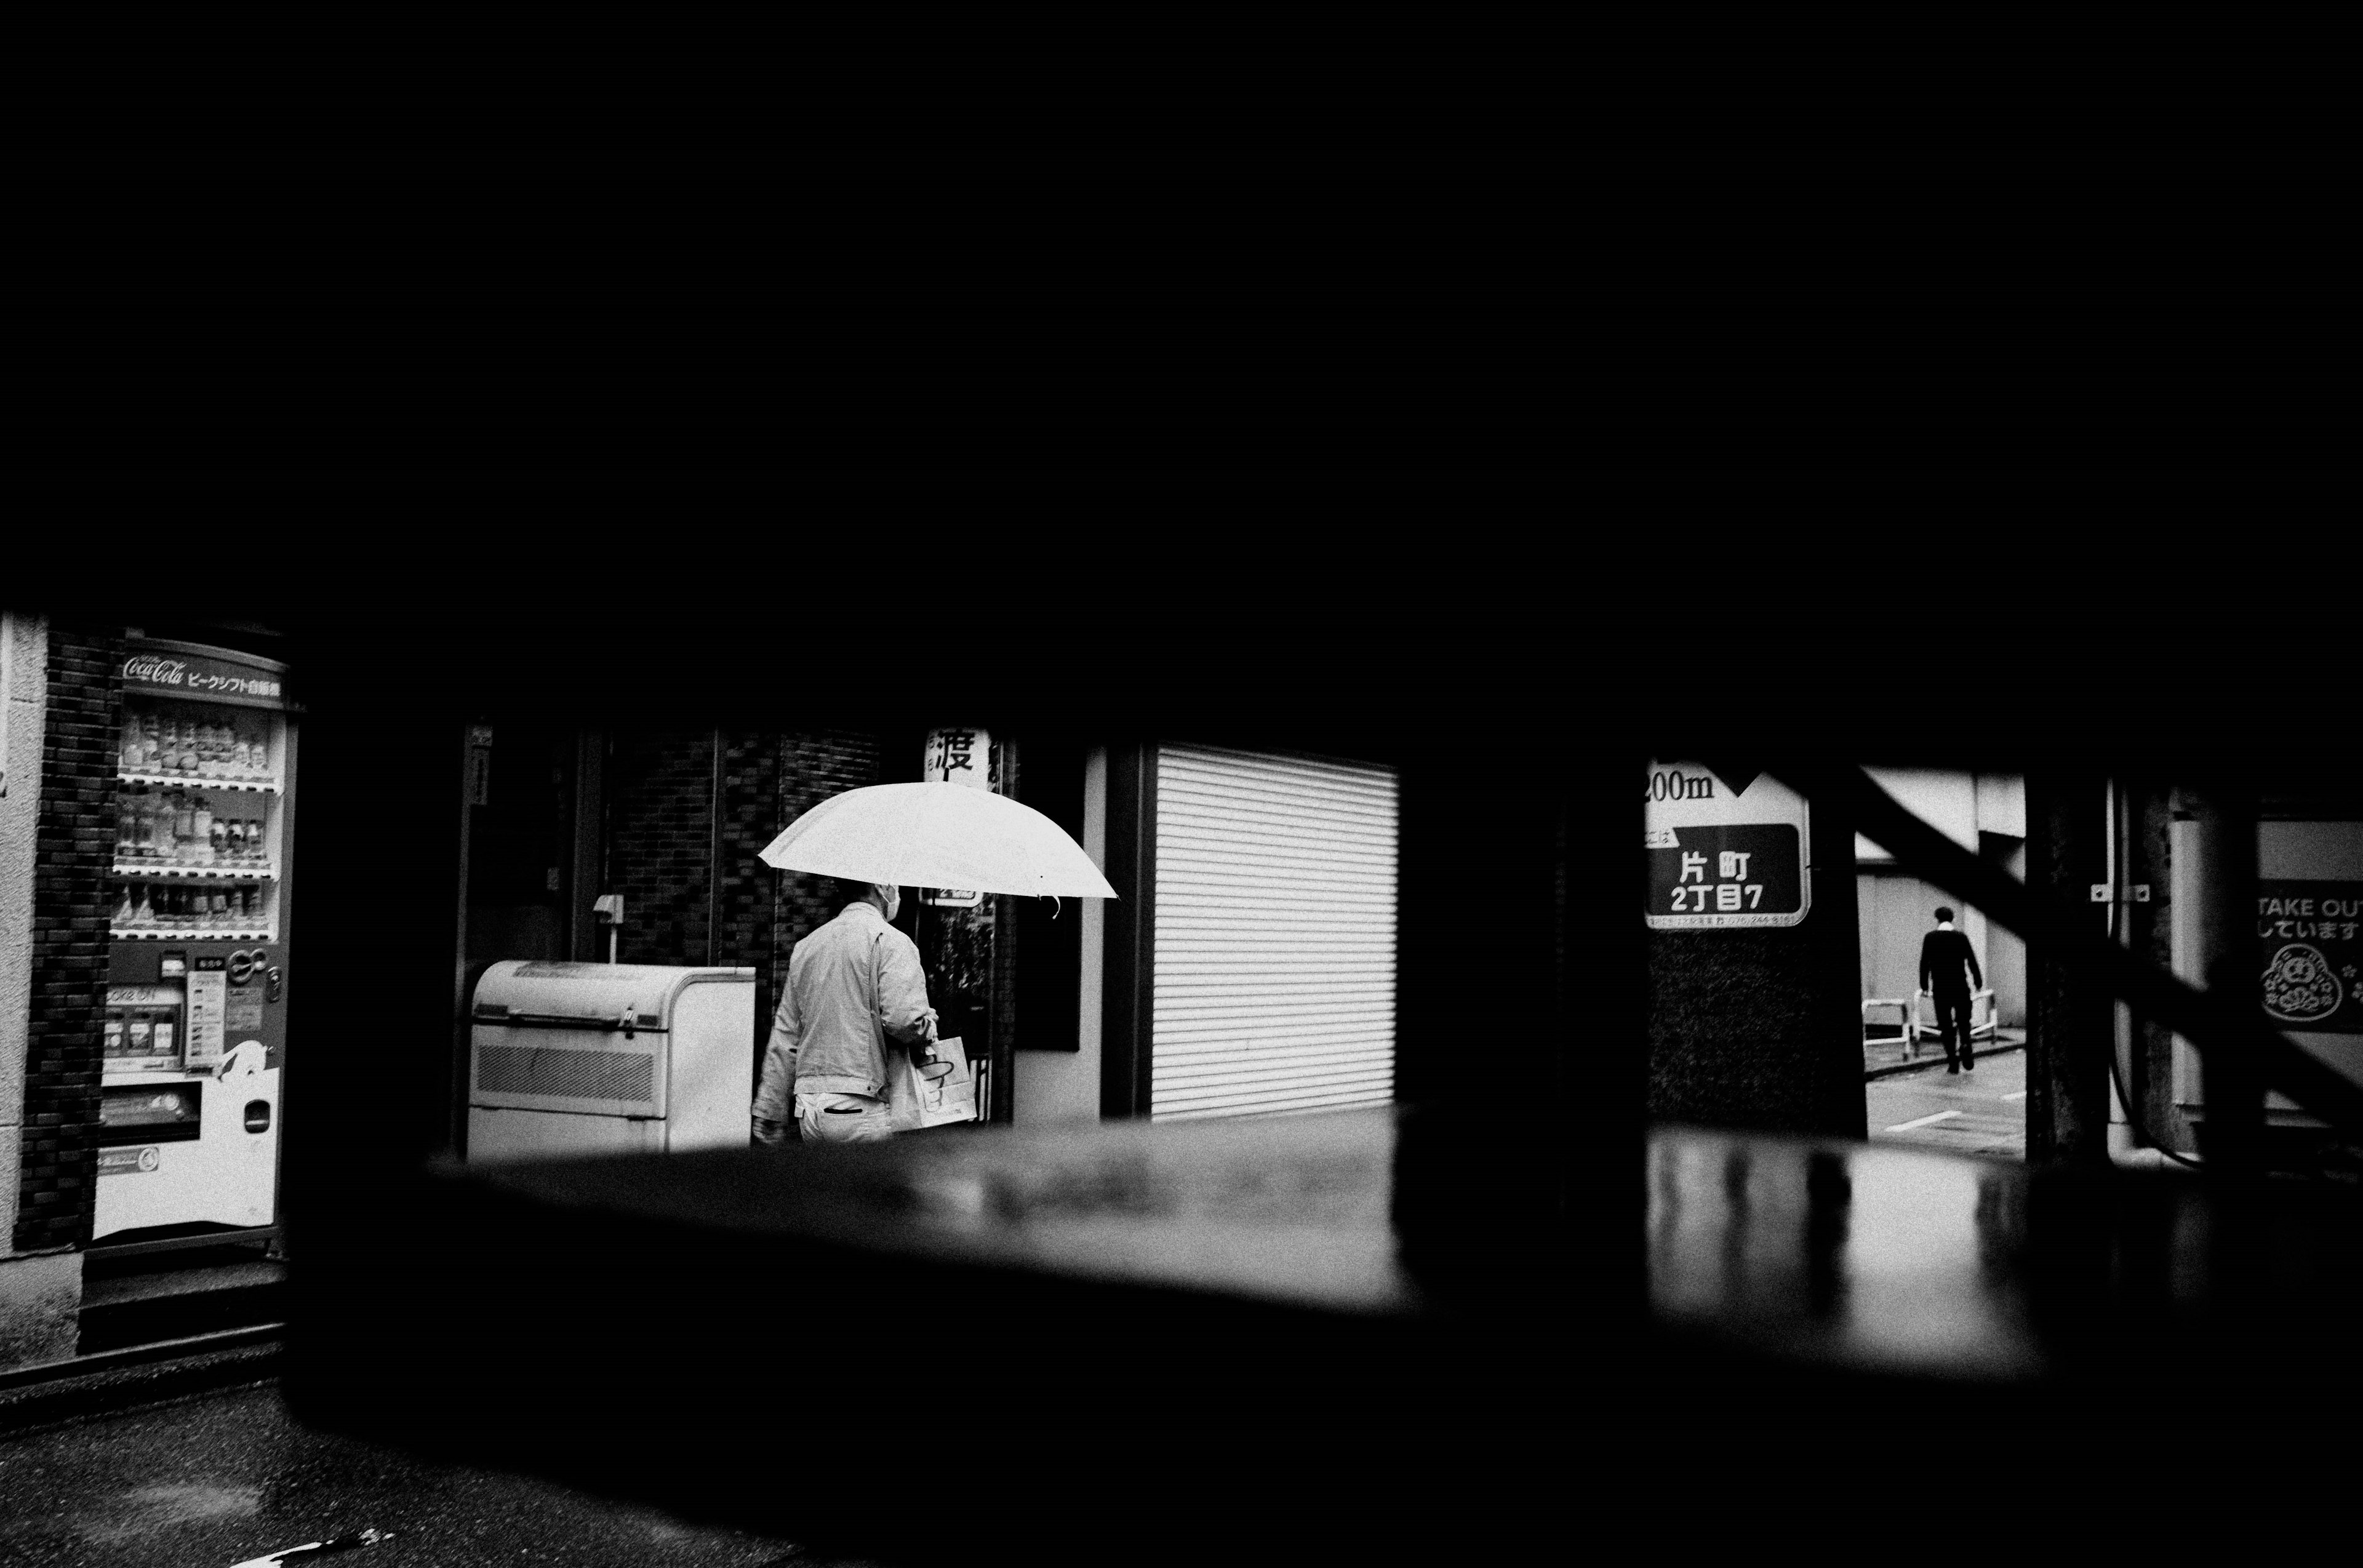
x=938 y=835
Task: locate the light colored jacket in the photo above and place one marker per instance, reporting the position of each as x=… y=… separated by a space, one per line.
x=850 y=984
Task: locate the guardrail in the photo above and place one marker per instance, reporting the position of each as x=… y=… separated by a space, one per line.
x=1926 y=1028
x=1905 y=1022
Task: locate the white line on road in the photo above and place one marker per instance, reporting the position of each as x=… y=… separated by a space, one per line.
x=2020 y=1096
x=1923 y=1122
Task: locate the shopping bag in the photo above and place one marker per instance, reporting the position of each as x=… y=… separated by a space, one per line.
x=947 y=1097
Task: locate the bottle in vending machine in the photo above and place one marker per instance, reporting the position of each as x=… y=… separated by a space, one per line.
x=201 y=830
x=143 y=914
x=258 y=849
x=123 y=910
x=135 y=747
x=233 y=844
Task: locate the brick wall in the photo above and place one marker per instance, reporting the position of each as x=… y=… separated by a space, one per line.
x=661 y=786
x=662 y=841
x=74 y=847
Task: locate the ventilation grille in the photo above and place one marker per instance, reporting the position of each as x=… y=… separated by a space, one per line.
x=566 y=1074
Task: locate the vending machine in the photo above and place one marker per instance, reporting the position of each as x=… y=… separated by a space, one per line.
x=195 y=1037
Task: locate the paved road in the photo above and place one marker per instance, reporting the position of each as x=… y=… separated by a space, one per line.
x=1982 y=1112
x=221 y=1478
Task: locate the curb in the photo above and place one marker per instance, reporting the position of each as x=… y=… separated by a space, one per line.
x=1891 y=1069
x=111 y=1381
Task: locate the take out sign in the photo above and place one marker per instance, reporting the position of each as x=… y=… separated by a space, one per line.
x=1719 y=857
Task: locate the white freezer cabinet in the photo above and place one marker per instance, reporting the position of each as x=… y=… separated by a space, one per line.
x=573 y=1059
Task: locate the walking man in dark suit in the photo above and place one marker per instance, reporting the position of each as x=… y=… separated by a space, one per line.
x=1948 y=972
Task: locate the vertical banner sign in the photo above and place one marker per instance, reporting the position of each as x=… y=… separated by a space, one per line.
x=2312 y=959
x=480 y=764
x=1723 y=859
x=961 y=757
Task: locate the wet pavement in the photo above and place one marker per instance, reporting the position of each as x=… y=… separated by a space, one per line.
x=1980 y=1112
x=1891 y=1054
x=223 y=1478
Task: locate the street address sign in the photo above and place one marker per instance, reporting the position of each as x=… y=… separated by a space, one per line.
x=1720 y=859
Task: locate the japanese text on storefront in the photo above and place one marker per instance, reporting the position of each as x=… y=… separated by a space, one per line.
x=2307 y=933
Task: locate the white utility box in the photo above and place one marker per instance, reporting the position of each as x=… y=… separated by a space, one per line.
x=571 y=1059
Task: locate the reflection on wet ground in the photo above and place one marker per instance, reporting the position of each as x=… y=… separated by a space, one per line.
x=1884 y=1259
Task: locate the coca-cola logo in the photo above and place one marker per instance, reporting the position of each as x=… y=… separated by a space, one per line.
x=155 y=670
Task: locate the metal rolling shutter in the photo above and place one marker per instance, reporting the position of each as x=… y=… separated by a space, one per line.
x=1275 y=935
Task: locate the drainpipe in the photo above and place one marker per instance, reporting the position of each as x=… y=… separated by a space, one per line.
x=2127 y=1150
x=2122 y=1137
x=2233 y=1083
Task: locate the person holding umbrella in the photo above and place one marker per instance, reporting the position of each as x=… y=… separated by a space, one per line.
x=852 y=985
x=855 y=983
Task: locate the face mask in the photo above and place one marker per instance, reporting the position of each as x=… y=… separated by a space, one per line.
x=893 y=902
